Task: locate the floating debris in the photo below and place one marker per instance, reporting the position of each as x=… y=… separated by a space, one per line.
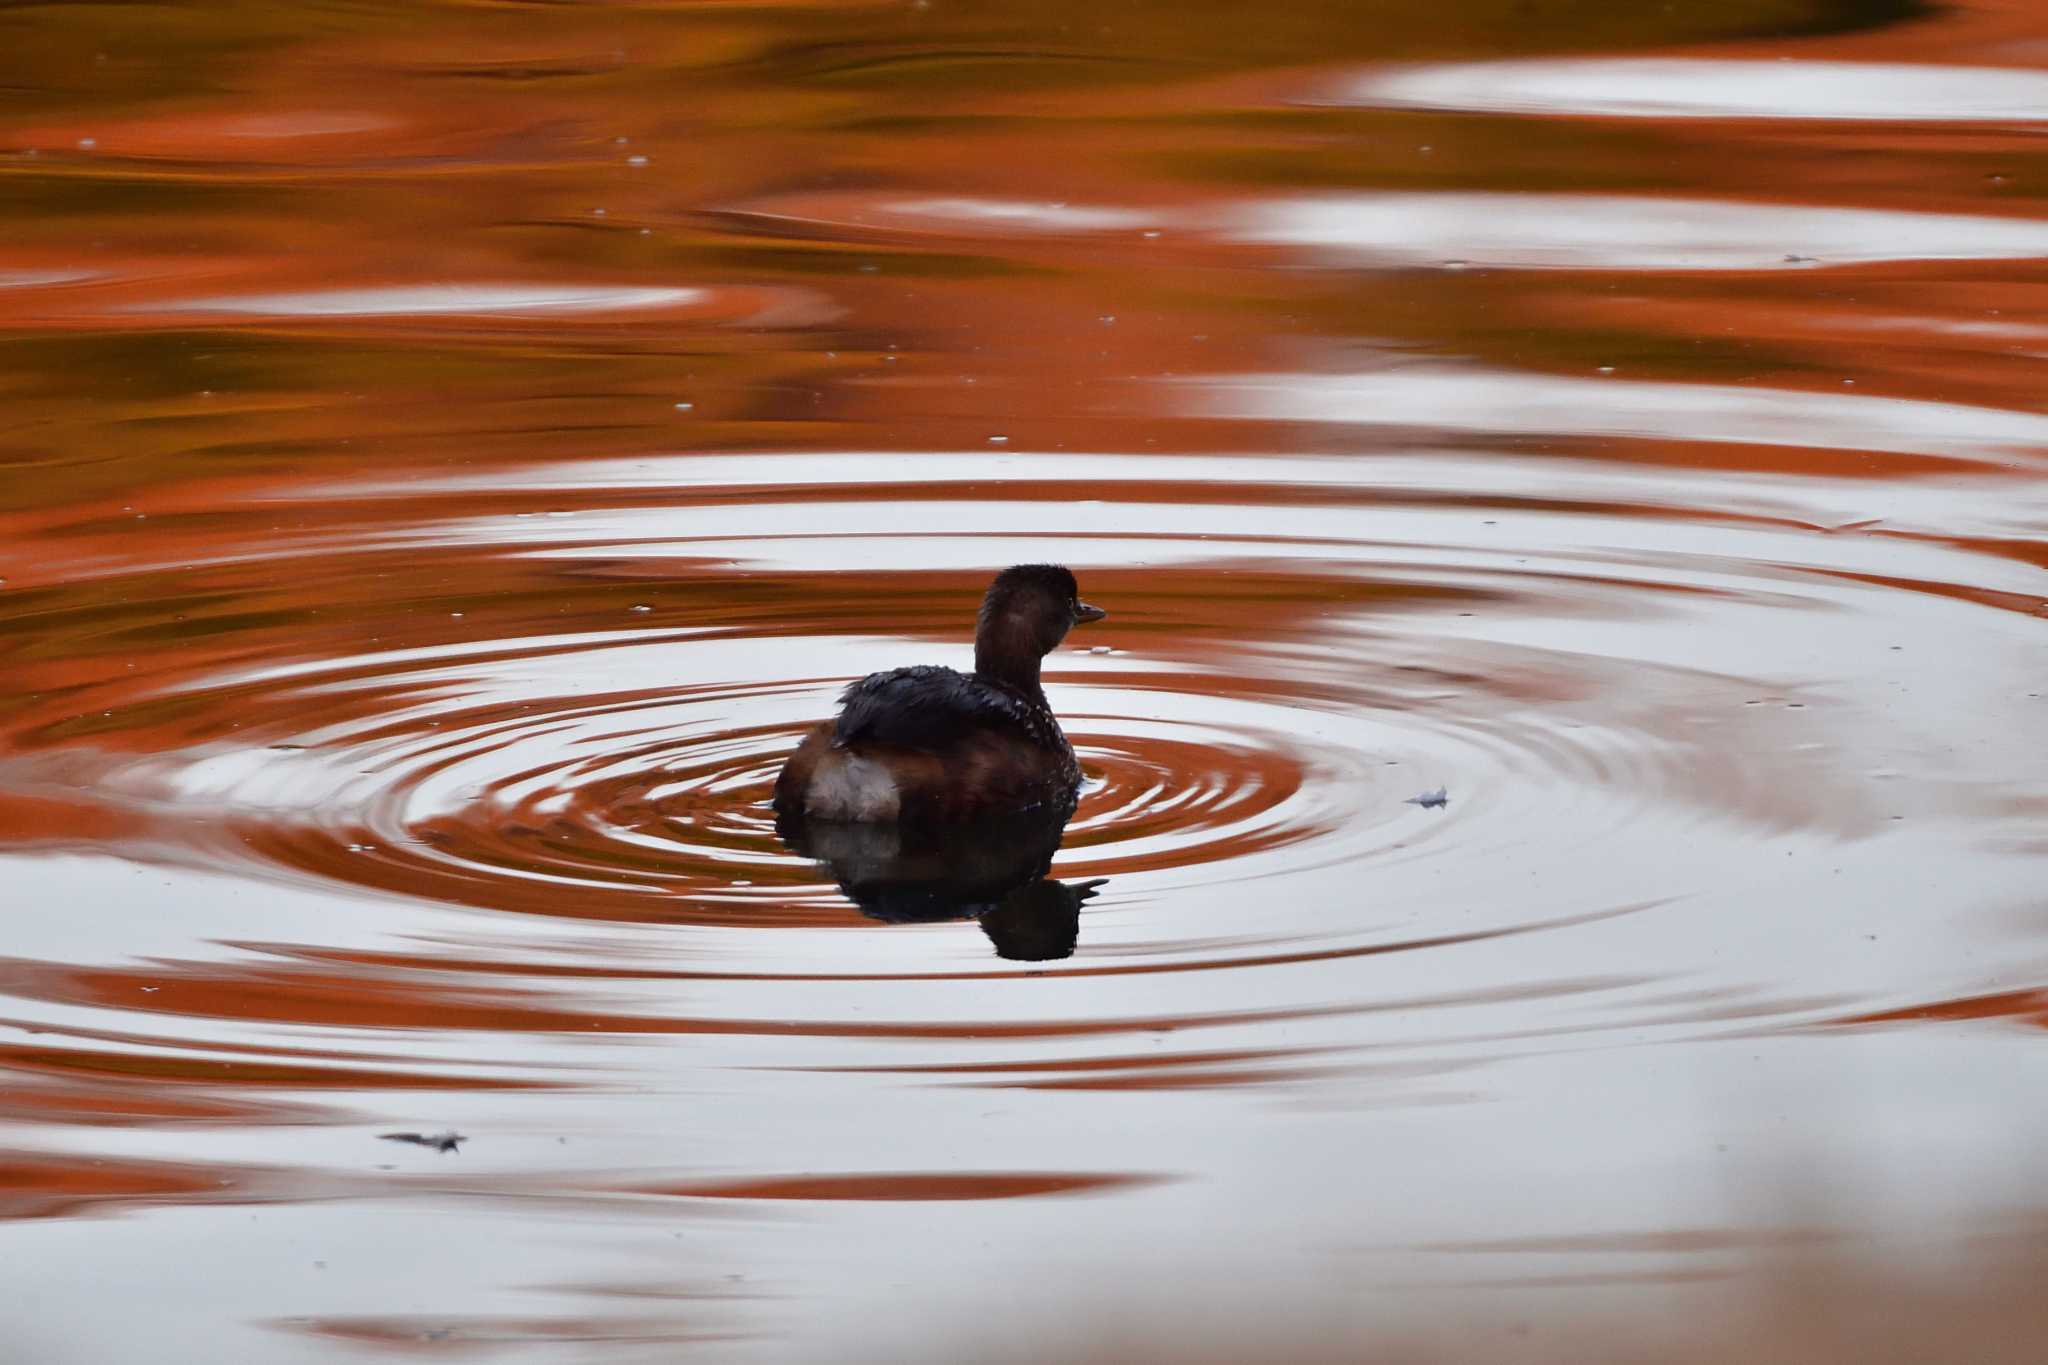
x=1431 y=800
x=440 y=1142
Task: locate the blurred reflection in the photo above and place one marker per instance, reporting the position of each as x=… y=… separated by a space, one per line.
x=993 y=871
x=1692 y=87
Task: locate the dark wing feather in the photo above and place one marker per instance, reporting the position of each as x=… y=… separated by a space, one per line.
x=929 y=708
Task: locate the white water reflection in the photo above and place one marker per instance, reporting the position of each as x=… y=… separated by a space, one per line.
x=1677 y=87
x=1479 y=398
x=1476 y=228
x=428 y=300
x=1013 y=215
x=1625 y=232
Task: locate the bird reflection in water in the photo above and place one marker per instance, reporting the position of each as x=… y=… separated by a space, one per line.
x=989 y=870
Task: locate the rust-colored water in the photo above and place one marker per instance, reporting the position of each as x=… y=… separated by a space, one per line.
x=453 y=449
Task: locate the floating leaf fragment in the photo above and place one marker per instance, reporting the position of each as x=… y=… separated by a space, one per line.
x=440 y=1142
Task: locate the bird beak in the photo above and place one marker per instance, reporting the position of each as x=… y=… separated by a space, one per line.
x=1084 y=613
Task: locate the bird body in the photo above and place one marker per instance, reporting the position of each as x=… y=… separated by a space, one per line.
x=927 y=743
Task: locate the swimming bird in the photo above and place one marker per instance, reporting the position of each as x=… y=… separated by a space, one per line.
x=931 y=744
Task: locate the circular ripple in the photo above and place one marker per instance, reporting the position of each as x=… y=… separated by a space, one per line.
x=509 y=782
x=655 y=806
x=1253 y=746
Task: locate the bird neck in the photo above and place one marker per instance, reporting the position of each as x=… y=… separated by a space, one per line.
x=998 y=660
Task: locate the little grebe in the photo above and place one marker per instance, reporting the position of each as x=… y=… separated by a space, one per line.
x=930 y=743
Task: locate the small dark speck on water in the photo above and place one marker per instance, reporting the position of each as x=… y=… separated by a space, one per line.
x=440 y=1142
x=1431 y=800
